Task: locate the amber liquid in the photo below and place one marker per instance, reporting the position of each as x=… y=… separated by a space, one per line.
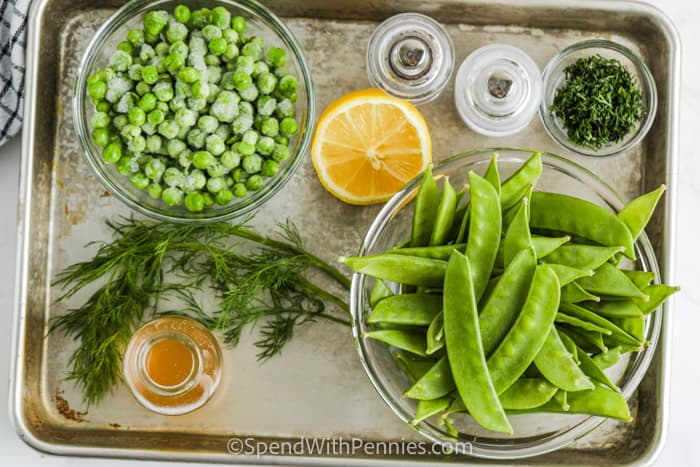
x=169 y=362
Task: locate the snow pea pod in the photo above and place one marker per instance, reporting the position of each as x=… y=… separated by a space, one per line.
x=578 y=217
x=584 y=257
x=573 y=293
x=557 y=365
x=586 y=315
x=516 y=185
x=610 y=281
x=641 y=279
x=436 y=382
x=587 y=340
x=409 y=341
x=546 y=245
x=435 y=337
x=510 y=213
x=518 y=234
x=590 y=368
x=637 y=213
x=428 y=408
x=441 y=252
x=506 y=300
x=411 y=270
x=484 y=232
x=600 y=401
x=464 y=224
x=607 y=359
x=567 y=274
x=491 y=175
x=615 y=309
x=425 y=210
x=464 y=349
x=520 y=346
x=414 y=368
x=634 y=326
x=412 y=309
x=380 y=291
x=561 y=399
x=657 y=293
x=445 y=215
x=580 y=323
x=527 y=393
x=570 y=346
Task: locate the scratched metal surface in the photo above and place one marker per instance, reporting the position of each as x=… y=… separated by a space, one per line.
x=317 y=386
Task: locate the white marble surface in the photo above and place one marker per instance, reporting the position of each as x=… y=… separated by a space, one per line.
x=685 y=405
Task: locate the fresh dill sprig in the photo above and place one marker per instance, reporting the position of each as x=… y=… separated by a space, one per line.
x=256 y=278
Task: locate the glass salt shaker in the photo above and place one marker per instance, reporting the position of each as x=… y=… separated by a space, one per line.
x=410 y=56
x=498 y=89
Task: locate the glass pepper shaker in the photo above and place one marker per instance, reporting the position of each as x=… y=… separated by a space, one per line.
x=498 y=89
x=410 y=56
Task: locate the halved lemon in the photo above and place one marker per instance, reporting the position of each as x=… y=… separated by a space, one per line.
x=368 y=144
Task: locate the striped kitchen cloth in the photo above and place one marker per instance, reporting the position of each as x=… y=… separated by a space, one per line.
x=13 y=24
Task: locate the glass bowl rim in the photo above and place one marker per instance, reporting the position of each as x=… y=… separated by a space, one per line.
x=646 y=76
x=633 y=374
x=88 y=60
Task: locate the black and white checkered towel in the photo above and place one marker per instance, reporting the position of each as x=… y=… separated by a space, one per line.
x=13 y=24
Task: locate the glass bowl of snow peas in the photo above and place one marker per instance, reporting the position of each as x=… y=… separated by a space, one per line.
x=560 y=349
x=193 y=111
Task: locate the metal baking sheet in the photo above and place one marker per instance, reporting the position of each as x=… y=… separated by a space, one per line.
x=317 y=387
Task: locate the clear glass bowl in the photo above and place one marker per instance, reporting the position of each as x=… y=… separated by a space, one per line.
x=534 y=433
x=554 y=78
x=261 y=22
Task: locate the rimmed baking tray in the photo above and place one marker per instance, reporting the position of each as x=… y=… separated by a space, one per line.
x=317 y=387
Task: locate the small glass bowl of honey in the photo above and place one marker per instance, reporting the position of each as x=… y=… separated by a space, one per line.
x=172 y=365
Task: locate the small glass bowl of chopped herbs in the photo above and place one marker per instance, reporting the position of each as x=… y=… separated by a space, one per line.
x=194 y=111
x=599 y=98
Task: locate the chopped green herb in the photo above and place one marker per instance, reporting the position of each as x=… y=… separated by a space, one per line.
x=600 y=103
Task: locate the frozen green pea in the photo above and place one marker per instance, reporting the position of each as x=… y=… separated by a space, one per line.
x=284 y=109
x=154 y=143
x=120 y=121
x=139 y=180
x=270 y=127
x=103 y=106
x=146 y=53
x=182 y=13
x=276 y=56
x=259 y=68
x=176 y=32
x=239 y=175
x=185 y=117
x=150 y=39
x=242 y=123
x=216 y=184
x=223 y=131
x=231 y=52
x=252 y=164
x=135 y=36
x=196 y=138
x=245 y=64
x=208 y=199
x=212 y=60
x=230 y=159
x=210 y=32
x=249 y=94
x=241 y=80
x=245 y=149
x=175 y=147
x=162 y=49
x=214 y=92
x=154 y=169
x=227 y=81
x=246 y=108
x=213 y=75
x=129 y=131
x=182 y=89
x=230 y=35
x=254 y=183
x=202 y=159
x=199 y=18
x=180 y=49
x=137 y=116
x=279 y=139
x=172 y=196
x=250 y=137
x=126 y=46
x=288 y=85
x=196 y=103
x=266 y=105
x=99 y=120
x=207 y=124
x=173 y=177
x=136 y=144
x=215 y=145
x=266 y=82
x=224 y=197
x=169 y=129
x=101 y=136
x=185 y=159
x=155 y=116
x=240 y=190
x=289 y=127
x=217 y=46
x=270 y=168
x=197 y=179
x=265 y=145
x=163 y=91
x=120 y=60
x=189 y=74
x=172 y=63
x=280 y=153
x=238 y=24
x=149 y=129
x=280 y=71
x=220 y=17
x=217 y=170
x=149 y=74
x=97 y=90
x=194 y=201
x=124 y=165
x=147 y=102
x=155 y=21
x=112 y=152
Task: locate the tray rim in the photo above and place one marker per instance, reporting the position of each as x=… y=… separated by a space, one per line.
x=18 y=421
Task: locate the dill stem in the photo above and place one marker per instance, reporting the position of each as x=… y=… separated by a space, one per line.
x=323 y=294
x=335 y=319
x=314 y=260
